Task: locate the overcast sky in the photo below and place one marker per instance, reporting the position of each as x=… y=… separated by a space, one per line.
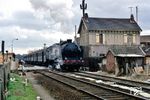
x=35 y=22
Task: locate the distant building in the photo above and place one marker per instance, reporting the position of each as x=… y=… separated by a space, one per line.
x=145 y=44
x=97 y=35
x=119 y=57
x=145 y=40
x=7 y=57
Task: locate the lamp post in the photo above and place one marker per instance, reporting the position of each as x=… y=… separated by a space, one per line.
x=13 y=44
x=6 y=55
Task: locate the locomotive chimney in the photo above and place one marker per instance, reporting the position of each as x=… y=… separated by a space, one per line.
x=69 y=40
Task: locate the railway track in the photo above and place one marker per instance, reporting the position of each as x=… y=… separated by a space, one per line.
x=100 y=92
x=129 y=86
x=145 y=86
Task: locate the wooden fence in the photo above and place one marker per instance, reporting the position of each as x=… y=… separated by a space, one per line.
x=4 y=79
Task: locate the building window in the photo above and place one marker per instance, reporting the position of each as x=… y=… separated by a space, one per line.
x=97 y=38
x=101 y=38
x=125 y=38
x=134 y=38
x=130 y=39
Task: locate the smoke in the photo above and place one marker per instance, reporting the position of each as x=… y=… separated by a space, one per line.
x=58 y=14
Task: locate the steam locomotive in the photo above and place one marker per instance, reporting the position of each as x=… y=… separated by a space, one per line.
x=66 y=55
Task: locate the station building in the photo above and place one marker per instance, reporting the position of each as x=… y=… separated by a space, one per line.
x=98 y=35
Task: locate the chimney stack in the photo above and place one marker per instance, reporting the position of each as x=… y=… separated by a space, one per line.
x=132 y=19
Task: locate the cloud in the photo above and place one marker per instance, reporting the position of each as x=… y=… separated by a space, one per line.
x=24 y=19
x=1 y=14
x=29 y=38
x=36 y=22
x=145 y=32
x=57 y=11
x=120 y=9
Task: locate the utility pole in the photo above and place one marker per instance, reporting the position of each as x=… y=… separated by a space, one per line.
x=131 y=9
x=12 y=44
x=44 y=45
x=75 y=32
x=83 y=6
x=136 y=13
x=2 y=49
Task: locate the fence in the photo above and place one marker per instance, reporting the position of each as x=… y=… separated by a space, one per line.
x=4 y=79
x=147 y=69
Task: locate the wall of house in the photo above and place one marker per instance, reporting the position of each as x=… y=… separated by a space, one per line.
x=147 y=60
x=97 y=51
x=113 y=38
x=84 y=36
x=137 y=38
x=92 y=38
x=110 y=63
x=122 y=38
x=6 y=57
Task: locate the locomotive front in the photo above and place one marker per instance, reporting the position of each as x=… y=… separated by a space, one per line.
x=72 y=56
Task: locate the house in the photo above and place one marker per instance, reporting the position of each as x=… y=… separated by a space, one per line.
x=119 y=58
x=145 y=44
x=145 y=40
x=7 y=57
x=97 y=35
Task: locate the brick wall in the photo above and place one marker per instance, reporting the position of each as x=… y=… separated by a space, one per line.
x=110 y=63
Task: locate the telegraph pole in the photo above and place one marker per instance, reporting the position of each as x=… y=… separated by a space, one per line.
x=136 y=13
x=75 y=31
x=2 y=49
x=131 y=9
x=83 y=6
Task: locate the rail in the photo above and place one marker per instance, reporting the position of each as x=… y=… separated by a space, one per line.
x=92 y=89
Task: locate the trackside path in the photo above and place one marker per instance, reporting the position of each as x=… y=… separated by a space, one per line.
x=43 y=93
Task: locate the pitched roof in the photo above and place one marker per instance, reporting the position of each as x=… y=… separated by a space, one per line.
x=127 y=51
x=146 y=50
x=145 y=38
x=116 y=24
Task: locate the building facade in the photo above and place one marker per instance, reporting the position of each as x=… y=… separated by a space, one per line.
x=145 y=44
x=97 y=35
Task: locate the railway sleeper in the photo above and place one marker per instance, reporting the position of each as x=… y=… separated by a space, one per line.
x=88 y=98
x=121 y=98
x=111 y=95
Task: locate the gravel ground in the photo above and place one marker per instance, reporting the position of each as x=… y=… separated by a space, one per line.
x=42 y=92
x=59 y=91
